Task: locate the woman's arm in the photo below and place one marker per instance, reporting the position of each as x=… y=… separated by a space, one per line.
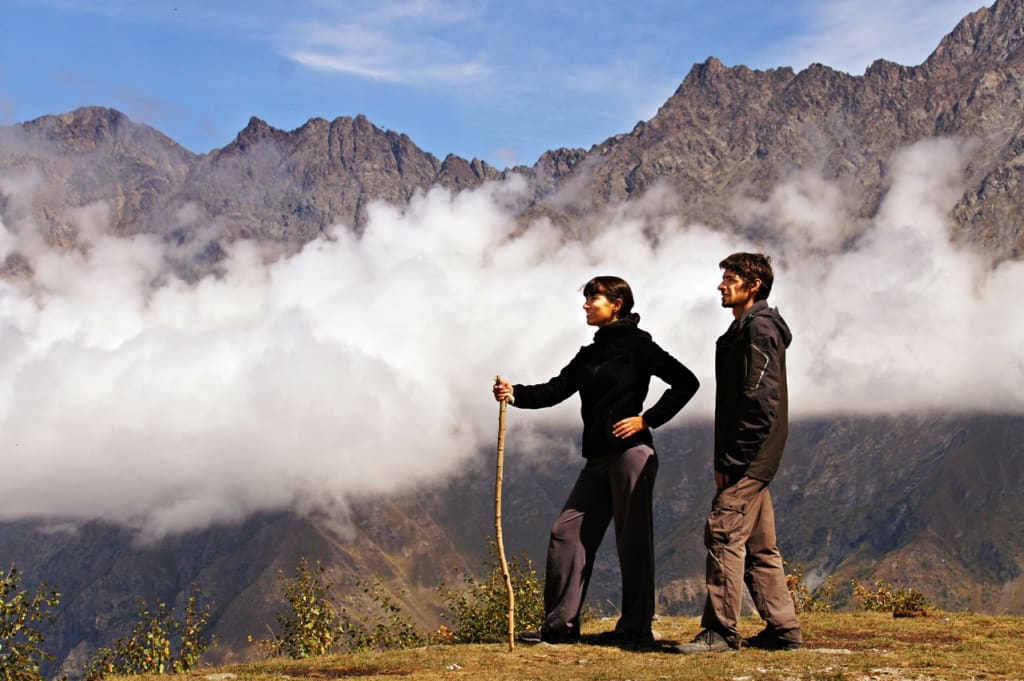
x=682 y=383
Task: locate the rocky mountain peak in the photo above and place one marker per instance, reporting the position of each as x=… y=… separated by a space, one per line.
x=94 y=128
x=257 y=131
x=991 y=34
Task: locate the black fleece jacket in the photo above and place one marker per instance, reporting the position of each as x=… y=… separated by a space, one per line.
x=751 y=396
x=612 y=375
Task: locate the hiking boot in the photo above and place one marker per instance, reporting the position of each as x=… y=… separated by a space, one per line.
x=542 y=635
x=769 y=639
x=707 y=641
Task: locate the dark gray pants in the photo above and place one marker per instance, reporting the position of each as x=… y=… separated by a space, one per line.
x=619 y=487
x=740 y=539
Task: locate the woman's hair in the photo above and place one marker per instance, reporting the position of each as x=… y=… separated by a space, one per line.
x=613 y=288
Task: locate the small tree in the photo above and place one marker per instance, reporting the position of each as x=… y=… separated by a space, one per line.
x=158 y=644
x=822 y=599
x=21 y=613
x=316 y=625
x=478 y=610
x=392 y=630
x=310 y=628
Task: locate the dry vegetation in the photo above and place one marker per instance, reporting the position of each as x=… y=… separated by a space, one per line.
x=838 y=647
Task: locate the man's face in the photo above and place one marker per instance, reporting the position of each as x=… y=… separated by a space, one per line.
x=736 y=293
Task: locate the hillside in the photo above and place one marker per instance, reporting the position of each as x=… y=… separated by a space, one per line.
x=847 y=506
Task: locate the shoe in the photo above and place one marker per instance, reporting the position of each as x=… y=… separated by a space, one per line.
x=772 y=640
x=542 y=635
x=622 y=638
x=707 y=641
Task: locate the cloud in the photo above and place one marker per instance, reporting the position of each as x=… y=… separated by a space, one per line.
x=362 y=365
x=397 y=42
x=849 y=35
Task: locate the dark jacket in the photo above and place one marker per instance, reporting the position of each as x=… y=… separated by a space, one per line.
x=612 y=375
x=751 y=398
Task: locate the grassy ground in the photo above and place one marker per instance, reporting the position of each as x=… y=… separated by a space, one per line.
x=837 y=647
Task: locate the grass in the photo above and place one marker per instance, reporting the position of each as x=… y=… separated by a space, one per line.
x=861 y=646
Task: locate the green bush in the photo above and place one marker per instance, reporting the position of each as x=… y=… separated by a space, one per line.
x=392 y=630
x=311 y=628
x=479 y=610
x=21 y=613
x=158 y=644
x=822 y=599
x=887 y=598
x=316 y=625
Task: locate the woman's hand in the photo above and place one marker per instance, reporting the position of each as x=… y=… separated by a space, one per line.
x=502 y=391
x=628 y=427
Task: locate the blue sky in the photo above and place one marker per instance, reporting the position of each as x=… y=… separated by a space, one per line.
x=501 y=81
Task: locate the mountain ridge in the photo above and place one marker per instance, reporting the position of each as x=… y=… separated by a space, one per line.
x=726 y=133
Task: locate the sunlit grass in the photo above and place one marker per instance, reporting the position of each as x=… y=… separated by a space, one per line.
x=838 y=647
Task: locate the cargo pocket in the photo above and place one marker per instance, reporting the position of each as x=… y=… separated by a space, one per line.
x=725 y=519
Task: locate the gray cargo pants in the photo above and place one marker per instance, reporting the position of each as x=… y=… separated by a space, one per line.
x=740 y=539
x=619 y=487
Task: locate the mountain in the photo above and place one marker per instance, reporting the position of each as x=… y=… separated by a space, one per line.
x=736 y=132
x=726 y=134
x=929 y=501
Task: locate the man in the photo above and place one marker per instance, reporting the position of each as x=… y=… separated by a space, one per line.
x=751 y=424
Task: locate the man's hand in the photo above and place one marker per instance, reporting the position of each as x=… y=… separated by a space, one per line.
x=721 y=480
x=628 y=427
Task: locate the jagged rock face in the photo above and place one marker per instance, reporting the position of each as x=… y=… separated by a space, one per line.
x=270 y=184
x=726 y=134
x=732 y=132
x=85 y=156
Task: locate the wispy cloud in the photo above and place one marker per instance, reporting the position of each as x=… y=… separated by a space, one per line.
x=849 y=35
x=411 y=42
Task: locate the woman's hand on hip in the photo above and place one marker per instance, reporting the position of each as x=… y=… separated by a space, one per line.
x=628 y=427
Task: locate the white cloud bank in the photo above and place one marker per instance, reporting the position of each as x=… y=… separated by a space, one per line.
x=362 y=366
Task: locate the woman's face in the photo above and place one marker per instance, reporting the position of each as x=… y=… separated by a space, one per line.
x=601 y=311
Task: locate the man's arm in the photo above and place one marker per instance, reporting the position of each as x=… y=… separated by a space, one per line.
x=759 y=401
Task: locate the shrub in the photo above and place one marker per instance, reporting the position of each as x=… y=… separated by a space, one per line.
x=887 y=598
x=822 y=599
x=316 y=625
x=158 y=644
x=392 y=630
x=21 y=613
x=479 y=610
x=310 y=629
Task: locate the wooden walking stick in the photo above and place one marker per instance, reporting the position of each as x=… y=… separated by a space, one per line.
x=497 y=524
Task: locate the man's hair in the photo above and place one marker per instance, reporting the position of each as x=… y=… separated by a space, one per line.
x=749 y=267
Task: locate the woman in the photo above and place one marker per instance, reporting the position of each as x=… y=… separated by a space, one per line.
x=612 y=376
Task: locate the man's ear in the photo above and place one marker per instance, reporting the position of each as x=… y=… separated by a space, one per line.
x=755 y=286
